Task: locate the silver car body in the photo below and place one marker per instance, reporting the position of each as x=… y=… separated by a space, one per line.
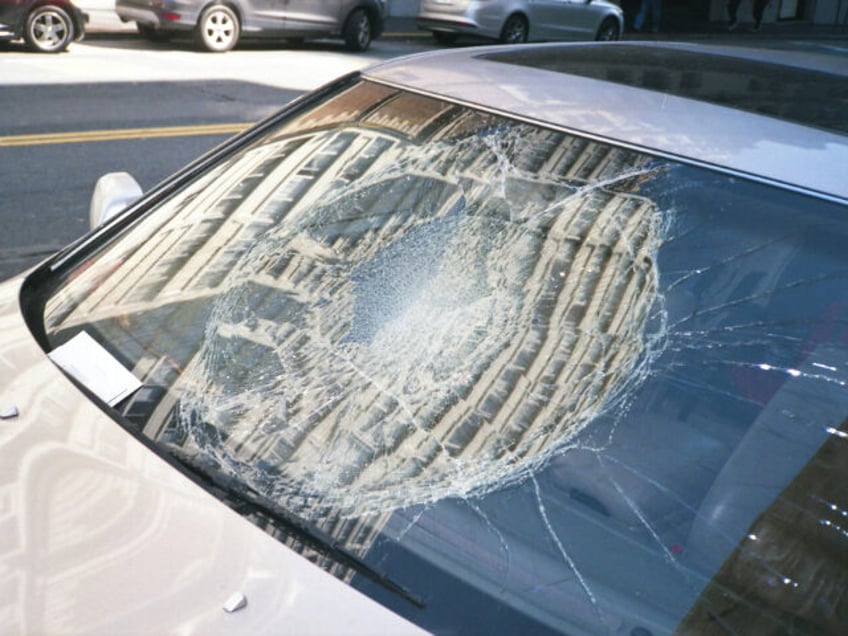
x=546 y=19
x=99 y=535
x=703 y=132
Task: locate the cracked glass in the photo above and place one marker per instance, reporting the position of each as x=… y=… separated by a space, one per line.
x=541 y=382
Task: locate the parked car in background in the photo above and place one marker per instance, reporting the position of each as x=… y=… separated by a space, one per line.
x=45 y=26
x=218 y=26
x=514 y=339
x=517 y=21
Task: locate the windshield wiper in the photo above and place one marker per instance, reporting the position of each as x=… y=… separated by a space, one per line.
x=246 y=501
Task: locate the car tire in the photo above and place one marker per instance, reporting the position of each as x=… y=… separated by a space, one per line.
x=49 y=29
x=442 y=37
x=608 y=31
x=357 y=30
x=515 y=30
x=152 y=34
x=217 y=29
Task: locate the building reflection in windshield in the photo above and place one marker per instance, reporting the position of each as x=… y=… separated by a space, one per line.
x=549 y=368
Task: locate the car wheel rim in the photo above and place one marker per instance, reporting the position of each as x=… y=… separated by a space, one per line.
x=363 y=31
x=49 y=30
x=514 y=32
x=219 y=29
x=608 y=33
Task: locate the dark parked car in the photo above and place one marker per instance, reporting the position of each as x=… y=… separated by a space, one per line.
x=48 y=27
x=218 y=26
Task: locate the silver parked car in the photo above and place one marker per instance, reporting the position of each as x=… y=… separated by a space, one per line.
x=517 y=21
x=504 y=340
x=218 y=26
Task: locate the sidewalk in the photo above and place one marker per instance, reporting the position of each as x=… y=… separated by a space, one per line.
x=103 y=21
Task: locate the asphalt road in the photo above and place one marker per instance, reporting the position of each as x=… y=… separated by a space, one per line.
x=122 y=104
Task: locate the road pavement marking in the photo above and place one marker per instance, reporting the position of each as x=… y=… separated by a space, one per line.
x=85 y=136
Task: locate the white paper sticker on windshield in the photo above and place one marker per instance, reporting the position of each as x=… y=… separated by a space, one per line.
x=87 y=361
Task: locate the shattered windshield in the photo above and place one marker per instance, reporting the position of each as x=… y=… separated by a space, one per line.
x=542 y=382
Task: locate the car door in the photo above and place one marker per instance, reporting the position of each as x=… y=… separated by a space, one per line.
x=267 y=15
x=313 y=16
x=565 y=19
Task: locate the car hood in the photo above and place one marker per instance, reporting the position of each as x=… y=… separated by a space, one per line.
x=100 y=535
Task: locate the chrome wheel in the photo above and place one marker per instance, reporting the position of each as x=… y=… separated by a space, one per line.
x=218 y=29
x=49 y=29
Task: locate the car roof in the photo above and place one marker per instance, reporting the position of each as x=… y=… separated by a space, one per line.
x=775 y=116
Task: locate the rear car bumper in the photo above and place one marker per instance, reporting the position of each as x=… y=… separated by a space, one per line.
x=166 y=16
x=447 y=24
x=470 y=17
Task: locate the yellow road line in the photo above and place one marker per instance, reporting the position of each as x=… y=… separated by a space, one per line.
x=121 y=133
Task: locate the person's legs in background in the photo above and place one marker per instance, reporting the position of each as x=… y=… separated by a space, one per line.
x=652 y=8
x=759 y=9
x=656 y=13
x=732 y=10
